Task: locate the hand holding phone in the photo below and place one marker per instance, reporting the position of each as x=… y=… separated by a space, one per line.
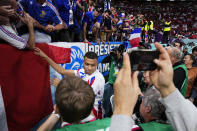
x=142 y=59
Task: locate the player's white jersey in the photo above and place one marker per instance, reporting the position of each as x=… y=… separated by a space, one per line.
x=96 y=81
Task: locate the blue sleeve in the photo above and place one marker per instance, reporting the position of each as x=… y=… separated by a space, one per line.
x=99 y=19
x=23 y=3
x=59 y=4
x=86 y=16
x=55 y=19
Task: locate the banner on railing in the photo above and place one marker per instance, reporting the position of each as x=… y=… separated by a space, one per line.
x=78 y=51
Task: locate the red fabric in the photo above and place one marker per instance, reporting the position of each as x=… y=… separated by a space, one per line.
x=135 y=42
x=59 y=54
x=24 y=78
x=94 y=112
x=194 y=37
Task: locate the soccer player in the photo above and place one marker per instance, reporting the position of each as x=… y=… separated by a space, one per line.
x=89 y=74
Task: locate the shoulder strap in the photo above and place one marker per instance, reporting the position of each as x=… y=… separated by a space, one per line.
x=184 y=85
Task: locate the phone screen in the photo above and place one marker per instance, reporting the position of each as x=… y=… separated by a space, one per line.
x=142 y=59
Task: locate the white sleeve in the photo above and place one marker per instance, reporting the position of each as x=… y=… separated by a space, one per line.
x=98 y=87
x=8 y=35
x=180 y=112
x=80 y=73
x=121 y=123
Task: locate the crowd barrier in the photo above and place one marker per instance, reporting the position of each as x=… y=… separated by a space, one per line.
x=24 y=76
x=78 y=51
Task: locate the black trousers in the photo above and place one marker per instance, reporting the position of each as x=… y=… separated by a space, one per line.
x=143 y=35
x=66 y=35
x=165 y=38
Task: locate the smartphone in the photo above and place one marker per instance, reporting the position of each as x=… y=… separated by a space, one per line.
x=142 y=59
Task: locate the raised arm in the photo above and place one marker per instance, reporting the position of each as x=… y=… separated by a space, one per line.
x=50 y=122
x=180 y=112
x=126 y=90
x=57 y=67
x=29 y=21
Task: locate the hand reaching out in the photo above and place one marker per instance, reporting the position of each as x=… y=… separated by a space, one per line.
x=54 y=82
x=49 y=28
x=39 y=52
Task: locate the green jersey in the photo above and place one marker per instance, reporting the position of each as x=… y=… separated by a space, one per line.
x=98 y=125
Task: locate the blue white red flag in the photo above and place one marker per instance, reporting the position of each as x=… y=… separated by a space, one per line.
x=146 y=37
x=59 y=52
x=135 y=37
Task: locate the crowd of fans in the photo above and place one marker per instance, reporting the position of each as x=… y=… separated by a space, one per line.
x=26 y=22
x=77 y=21
x=182 y=14
x=88 y=21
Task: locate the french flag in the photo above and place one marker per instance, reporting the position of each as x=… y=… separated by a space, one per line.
x=146 y=37
x=59 y=52
x=135 y=37
x=25 y=85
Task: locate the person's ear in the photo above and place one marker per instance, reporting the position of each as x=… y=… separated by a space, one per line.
x=147 y=109
x=56 y=109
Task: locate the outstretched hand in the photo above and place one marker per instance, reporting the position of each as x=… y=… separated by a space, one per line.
x=162 y=77
x=54 y=82
x=49 y=28
x=39 y=52
x=126 y=89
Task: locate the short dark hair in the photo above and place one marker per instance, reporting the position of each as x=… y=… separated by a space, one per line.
x=180 y=42
x=91 y=55
x=74 y=99
x=192 y=57
x=194 y=49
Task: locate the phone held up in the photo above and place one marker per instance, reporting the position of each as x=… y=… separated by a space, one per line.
x=142 y=59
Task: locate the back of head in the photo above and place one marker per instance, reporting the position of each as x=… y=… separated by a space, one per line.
x=152 y=98
x=194 y=49
x=74 y=99
x=91 y=55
